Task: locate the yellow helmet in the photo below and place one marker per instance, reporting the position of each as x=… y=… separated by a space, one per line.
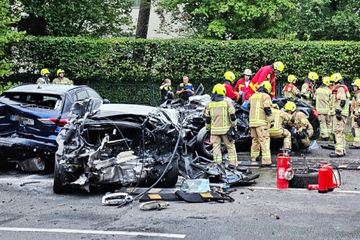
x=219 y=89
x=267 y=85
x=229 y=76
x=291 y=78
x=279 y=66
x=356 y=83
x=59 y=71
x=290 y=106
x=313 y=76
x=44 y=71
x=336 y=77
x=326 y=81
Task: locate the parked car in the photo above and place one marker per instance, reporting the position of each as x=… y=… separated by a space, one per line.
x=31 y=117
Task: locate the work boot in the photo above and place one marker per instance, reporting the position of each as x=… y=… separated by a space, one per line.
x=335 y=155
x=353 y=147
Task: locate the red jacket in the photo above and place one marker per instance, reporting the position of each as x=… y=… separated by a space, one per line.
x=265 y=73
x=241 y=86
x=230 y=92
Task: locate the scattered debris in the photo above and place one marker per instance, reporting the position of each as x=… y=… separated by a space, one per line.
x=26 y=183
x=154 y=205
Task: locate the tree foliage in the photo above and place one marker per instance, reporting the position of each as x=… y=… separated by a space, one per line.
x=282 y=19
x=75 y=18
x=6 y=35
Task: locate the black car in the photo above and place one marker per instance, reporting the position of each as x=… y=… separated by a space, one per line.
x=31 y=116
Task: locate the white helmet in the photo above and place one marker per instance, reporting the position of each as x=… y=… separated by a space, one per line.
x=247 y=72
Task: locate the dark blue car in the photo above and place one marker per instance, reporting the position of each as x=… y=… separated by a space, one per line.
x=31 y=117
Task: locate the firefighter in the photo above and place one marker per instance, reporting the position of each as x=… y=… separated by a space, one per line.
x=229 y=78
x=266 y=73
x=242 y=84
x=260 y=110
x=341 y=106
x=44 y=79
x=355 y=114
x=61 y=79
x=278 y=120
x=332 y=106
x=303 y=130
x=221 y=121
x=322 y=99
x=307 y=89
x=290 y=90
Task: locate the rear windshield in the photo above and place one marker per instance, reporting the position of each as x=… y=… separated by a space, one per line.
x=35 y=99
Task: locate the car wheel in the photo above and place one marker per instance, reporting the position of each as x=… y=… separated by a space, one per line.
x=170 y=178
x=58 y=186
x=302 y=180
x=203 y=144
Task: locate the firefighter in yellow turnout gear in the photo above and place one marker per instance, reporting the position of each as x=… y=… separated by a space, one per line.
x=341 y=106
x=307 y=89
x=304 y=130
x=278 y=120
x=221 y=121
x=290 y=90
x=322 y=104
x=260 y=110
x=355 y=114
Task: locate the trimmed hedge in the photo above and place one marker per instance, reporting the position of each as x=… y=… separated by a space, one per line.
x=108 y=61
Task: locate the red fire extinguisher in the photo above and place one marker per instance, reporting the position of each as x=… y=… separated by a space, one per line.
x=284 y=171
x=323 y=180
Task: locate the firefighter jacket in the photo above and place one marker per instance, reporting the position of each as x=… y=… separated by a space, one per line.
x=332 y=102
x=264 y=74
x=290 y=90
x=277 y=120
x=355 y=104
x=63 y=80
x=257 y=116
x=341 y=93
x=241 y=86
x=322 y=99
x=308 y=92
x=230 y=92
x=43 y=80
x=219 y=112
x=301 y=123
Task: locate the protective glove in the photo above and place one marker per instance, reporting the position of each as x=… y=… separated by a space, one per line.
x=292 y=120
x=303 y=134
x=342 y=103
x=338 y=114
x=358 y=121
x=231 y=134
x=298 y=95
x=304 y=96
x=293 y=131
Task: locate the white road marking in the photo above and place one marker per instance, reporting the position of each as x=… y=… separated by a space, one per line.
x=24 y=179
x=99 y=232
x=301 y=189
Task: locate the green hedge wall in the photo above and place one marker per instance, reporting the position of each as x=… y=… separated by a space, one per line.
x=108 y=61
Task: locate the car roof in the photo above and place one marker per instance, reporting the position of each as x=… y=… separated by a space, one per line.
x=44 y=88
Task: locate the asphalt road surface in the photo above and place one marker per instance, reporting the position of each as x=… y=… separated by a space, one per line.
x=30 y=210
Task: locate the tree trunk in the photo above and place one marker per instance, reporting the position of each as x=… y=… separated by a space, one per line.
x=143 y=19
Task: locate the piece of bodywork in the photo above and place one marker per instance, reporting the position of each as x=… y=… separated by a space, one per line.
x=117 y=144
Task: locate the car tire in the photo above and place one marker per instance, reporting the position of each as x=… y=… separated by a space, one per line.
x=203 y=144
x=58 y=186
x=170 y=178
x=302 y=180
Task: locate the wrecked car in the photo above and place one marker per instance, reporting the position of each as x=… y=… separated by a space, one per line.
x=31 y=117
x=193 y=110
x=117 y=144
x=129 y=145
